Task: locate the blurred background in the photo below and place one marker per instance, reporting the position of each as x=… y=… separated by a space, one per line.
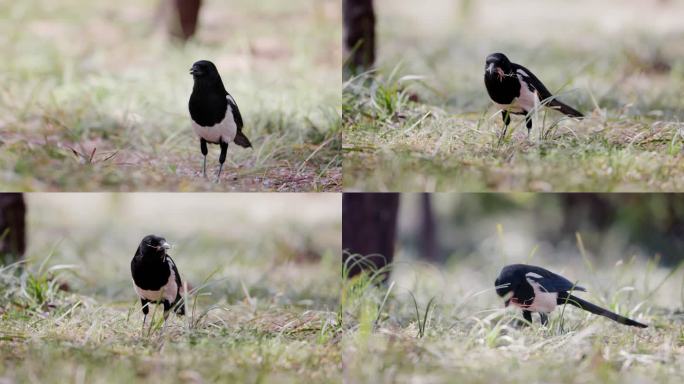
x=241 y=244
x=456 y=244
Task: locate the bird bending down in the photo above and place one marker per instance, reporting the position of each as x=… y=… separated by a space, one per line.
x=516 y=90
x=535 y=289
x=155 y=277
x=214 y=113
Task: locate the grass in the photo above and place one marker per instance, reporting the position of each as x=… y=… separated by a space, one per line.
x=94 y=97
x=446 y=324
x=262 y=307
x=422 y=121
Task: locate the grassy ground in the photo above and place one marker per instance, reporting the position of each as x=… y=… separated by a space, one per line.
x=423 y=121
x=264 y=309
x=433 y=324
x=94 y=96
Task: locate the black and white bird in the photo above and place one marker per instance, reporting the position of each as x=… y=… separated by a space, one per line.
x=535 y=289
x=215 y=116
x=516 y=90
x=155 y=277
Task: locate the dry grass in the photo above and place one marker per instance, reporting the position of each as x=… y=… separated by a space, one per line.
x=94 y=97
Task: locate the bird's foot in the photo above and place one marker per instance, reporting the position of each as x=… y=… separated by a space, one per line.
x=204 y=167
x=218 y=175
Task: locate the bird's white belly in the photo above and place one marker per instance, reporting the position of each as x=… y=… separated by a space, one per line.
x=543 y=301
x=524 y=103
x=167 y=292
x=224 y=131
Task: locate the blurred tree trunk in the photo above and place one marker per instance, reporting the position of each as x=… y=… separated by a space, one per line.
x=369 y=227
x=12 y=227
x=428 y=237
x=359 y=35
x=592 y=208
x=181 y=17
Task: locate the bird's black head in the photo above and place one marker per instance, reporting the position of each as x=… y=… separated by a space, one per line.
x=153 y=246
x=497 y=64
x=507 y=282
x=204 y=69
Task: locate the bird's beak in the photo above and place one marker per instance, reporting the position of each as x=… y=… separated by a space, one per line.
x=195 y=71
x=490 y=68
x=166 y=245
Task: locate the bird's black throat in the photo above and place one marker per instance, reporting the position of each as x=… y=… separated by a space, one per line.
x=502 y=91
x=150 y=272
x=208 y=103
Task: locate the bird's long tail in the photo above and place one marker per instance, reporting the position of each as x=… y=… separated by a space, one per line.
x=566 y=298
x=564 y=108
x=242 y=140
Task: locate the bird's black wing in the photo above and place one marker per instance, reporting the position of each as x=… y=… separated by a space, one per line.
x=175 y=272
x=550 y=281
x=532 y=80
x=240 y=138
x=236 y=111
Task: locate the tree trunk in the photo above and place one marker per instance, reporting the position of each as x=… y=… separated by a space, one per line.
x=428 y=238
x=12 y=227
x=369 y=227
x=359 y=35
x=181 y=17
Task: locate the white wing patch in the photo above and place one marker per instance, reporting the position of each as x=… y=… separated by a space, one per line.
x=535 y=275
x=527 y=99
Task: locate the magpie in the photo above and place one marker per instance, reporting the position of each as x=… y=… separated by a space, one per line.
x=155 y=277
x=515 y=89
x=215 y=116
x=535 y=289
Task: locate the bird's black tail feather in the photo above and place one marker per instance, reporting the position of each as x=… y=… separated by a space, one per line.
x=565 y=109
x=242 y=140
x=566 y=298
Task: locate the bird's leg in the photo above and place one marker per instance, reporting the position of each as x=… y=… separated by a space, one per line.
x=203 y=146
x=528 y=123
x=222 y=159
x=167 y=310
x=527 y=315
x=544 y=319
x=507 y=120
x=145 y=310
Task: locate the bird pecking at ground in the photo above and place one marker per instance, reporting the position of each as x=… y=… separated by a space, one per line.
x=535 y=289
